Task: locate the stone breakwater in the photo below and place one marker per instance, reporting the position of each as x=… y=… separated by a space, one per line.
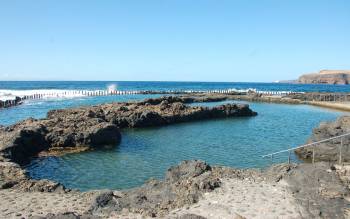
x=339 y=101
x=153 y=112
x=9 y=103
x=292 y=98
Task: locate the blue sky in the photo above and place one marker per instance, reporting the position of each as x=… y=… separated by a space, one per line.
x=172 y=40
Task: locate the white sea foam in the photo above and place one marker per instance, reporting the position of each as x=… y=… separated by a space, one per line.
x=111 y=87
x=61 y=94
x=45 y=93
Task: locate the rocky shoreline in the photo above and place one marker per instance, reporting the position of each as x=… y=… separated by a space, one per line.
x=193 y=189
x=329 y=151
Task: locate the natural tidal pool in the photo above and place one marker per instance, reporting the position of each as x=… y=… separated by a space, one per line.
x=149 y=152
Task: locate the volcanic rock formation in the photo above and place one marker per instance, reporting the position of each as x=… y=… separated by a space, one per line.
x=95 y=126
x=326 y=77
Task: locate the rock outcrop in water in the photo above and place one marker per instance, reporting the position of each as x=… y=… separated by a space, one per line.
x=153 y=112
x=95 y=126
x=23 y=140
x=329 y=151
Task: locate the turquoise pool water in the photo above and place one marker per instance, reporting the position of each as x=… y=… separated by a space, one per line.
x=147 y=153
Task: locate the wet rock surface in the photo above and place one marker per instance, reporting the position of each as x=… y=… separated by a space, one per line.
x=330 y=150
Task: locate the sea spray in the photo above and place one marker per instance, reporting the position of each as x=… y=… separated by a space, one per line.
x=111 y=87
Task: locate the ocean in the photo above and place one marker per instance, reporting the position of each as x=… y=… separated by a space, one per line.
x=156 y=85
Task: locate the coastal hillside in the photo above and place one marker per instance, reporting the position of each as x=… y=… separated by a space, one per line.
x=326 y=77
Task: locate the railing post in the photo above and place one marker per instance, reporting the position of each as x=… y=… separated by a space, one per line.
x=313 y=154
x=340 y=150
x=288 y=157
x=271 y=159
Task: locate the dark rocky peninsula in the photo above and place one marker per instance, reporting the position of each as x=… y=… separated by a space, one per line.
x=95 y=126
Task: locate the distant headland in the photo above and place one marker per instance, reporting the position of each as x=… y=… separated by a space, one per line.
x=323 y=77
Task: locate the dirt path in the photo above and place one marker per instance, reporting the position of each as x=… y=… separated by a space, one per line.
x=25 y=204
x=248 y=199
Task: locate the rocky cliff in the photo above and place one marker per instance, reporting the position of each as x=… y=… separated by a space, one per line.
x=326 y=77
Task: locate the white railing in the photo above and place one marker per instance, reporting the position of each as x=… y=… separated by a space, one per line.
x=313 y=145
